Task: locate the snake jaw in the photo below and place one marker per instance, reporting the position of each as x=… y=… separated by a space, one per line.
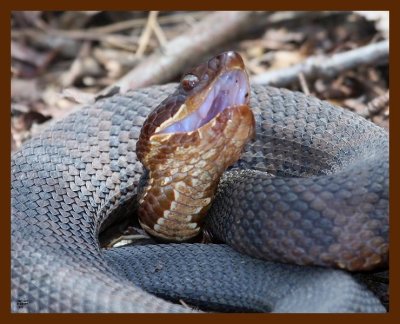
x=229 y=90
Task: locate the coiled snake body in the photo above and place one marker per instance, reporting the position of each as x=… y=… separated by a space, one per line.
x=326 y=203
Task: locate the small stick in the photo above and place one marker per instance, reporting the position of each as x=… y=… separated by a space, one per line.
x=303 y=83
x=187 y=306
x=159 y=33
x=146 y=34
x=326 y=66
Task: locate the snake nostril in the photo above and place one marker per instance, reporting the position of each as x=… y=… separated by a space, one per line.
x=215 y=63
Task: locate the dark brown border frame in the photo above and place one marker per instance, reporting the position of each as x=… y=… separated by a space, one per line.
x=5 y=139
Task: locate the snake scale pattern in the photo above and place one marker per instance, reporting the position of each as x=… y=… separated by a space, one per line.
x=327 y=182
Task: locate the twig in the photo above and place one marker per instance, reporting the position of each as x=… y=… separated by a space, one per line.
x=187 y=306
x=183 y=303
x=146 y=34
x=326 y=66
x=162 y=39
x=151 y=26
x=303 y=84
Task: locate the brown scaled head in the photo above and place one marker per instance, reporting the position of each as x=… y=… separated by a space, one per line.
x=202 y=94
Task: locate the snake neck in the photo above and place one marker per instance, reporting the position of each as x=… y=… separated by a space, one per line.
x=184 y=172
x=172 y=207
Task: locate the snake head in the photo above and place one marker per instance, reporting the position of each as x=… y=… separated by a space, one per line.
x=203 y=93
x=188 y=141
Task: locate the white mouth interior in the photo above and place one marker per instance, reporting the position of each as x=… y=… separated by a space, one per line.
x=231 y=89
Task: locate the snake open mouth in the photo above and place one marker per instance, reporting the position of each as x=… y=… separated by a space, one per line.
x=231 y=89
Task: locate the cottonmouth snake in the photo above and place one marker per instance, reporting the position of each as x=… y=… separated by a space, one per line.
x=327 y=197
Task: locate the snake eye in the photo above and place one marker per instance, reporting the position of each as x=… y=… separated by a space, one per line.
x=189 y=81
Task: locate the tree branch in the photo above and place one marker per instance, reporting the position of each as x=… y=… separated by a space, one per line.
x=326 y=66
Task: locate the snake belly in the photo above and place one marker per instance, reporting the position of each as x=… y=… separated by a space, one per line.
x=329 y=166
